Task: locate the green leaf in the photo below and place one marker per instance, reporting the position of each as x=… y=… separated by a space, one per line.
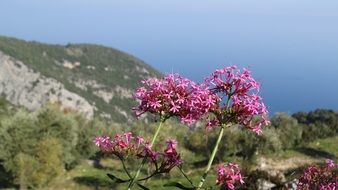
x=116 y=179
x=178 y=185
x=143 y=187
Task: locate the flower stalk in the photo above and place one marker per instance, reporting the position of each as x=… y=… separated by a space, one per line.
x=134 y=179
x=212 y=157
x=185 y=175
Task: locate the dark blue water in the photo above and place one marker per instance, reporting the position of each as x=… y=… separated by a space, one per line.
x=291 y=46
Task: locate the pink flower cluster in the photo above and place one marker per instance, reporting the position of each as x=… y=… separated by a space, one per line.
x=124 y=145
x=229 y=175
x=322 y=178
x=174 y=95
x=166 y=160
x=238 y=91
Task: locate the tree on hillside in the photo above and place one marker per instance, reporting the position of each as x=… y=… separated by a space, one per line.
x=36 y=147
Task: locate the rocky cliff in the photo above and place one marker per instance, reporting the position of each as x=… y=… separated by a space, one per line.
x=22 y=86
x=92 y=79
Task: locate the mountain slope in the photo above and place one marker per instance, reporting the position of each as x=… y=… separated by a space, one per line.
x=103 y=77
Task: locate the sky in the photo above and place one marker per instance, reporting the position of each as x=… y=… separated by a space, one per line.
x=290 y=45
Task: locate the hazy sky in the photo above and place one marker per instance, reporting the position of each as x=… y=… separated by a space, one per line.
x=291 y=45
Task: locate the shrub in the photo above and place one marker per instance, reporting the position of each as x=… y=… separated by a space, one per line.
x=25 y=167
x=49 y=140
x=316 y=124
x=290 y=133
x=49 y=155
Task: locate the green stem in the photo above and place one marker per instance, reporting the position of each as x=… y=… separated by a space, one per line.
x=150 y=176
x=145 y=159
x=211 y=159
x=125 y=168
x=186 y=177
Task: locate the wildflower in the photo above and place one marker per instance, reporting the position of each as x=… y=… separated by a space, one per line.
x=122 y=145
x=330 y=163
x=149 y=153
x=103 y=142
x=239 y=102
x=322 y=178
x=163 y=161
x=171 y=147
x=229 y=175
x=170 y=157
x=125 y=145
x=174 y=95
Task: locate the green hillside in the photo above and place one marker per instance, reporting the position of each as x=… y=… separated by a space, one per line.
x=95 y=68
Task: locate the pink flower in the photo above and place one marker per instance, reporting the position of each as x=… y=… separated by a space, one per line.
x=229 y=175
x=139 y=141
x=163 y=161
x=330 y=163
x=125 y=145
x=239 y=102
x=322 y=178
x=174 y=95
x=122 y=145
x=257 y=130
x=175 y=107
x=171 y=147
x=170 y=158
x=149 y=153
x=103 y=142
